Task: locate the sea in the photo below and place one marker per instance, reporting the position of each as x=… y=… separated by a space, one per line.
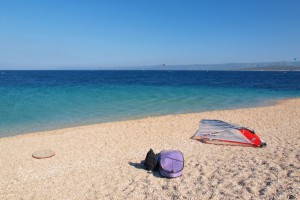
x=32 y=101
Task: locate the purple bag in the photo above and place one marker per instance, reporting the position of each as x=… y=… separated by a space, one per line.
x=171 y=163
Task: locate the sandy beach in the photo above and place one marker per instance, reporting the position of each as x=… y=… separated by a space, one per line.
x=103 y=161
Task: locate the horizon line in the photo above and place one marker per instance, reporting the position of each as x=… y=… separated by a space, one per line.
x=136 y=66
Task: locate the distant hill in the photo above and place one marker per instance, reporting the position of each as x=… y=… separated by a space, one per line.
x=266 y=66
x=262 y=66
x=272 y=68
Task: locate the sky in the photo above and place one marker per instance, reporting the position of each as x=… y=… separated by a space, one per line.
x=47 y=34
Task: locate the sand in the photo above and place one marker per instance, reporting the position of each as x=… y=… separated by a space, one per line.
x=102 y=161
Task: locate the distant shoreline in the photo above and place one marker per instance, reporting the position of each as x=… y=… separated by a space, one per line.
x=204 y=70
x=281 y=65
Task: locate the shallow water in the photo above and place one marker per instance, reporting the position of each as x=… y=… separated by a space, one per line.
x=43 y=100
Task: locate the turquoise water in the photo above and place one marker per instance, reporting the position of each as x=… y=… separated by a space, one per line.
x=45 y=100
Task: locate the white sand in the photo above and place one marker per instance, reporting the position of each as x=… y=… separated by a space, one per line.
x=102 y=161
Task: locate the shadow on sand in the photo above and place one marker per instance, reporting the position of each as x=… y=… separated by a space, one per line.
x=141 y=166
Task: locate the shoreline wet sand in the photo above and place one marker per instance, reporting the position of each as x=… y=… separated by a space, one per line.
x=102 y=161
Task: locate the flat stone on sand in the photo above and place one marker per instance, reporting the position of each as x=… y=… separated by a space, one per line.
x=43 y=154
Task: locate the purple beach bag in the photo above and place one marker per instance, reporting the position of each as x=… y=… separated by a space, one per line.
x=171 y=163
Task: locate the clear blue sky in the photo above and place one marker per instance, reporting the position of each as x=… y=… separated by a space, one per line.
x=56 y=33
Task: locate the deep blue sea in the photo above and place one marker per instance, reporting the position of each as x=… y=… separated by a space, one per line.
x=33 y=101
